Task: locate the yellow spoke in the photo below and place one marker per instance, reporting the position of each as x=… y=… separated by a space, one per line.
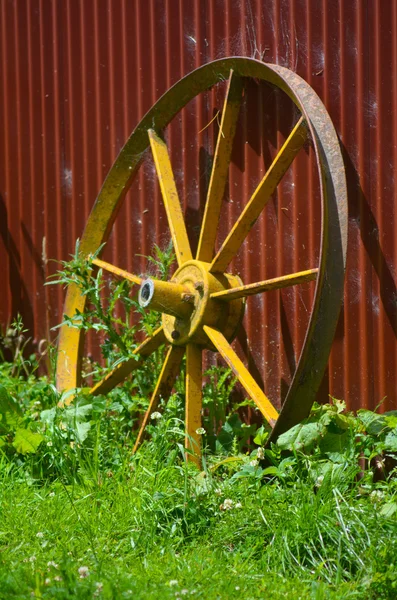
x=243 y=375
x=265 y=286
x=119 y=373
x=260 y=197
x=194 y=377
x=170 y=197
x=163 y=388
x=220 y=168
x=101 y=264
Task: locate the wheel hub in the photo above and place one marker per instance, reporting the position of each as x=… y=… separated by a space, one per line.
x=186 y=305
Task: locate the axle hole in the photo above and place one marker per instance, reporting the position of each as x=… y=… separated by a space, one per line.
x=146 y=293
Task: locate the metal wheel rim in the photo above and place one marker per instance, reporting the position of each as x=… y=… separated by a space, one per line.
x=329 y=287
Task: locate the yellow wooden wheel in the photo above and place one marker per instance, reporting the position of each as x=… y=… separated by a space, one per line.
x=203 y=303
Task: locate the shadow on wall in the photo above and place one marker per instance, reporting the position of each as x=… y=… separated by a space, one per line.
x=359 y=209
x=20 y=301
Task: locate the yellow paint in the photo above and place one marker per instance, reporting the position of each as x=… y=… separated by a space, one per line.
x=101 y=264
x=194 y=377
x=220 y=168
x=163 y=387
x=260 y=198
x=195 y=277
x=70 y=344
x=264 y=286
x=243 y=375
x=170 y=198
x=167 y=297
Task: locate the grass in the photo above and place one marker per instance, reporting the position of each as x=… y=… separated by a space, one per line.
x=156 y=527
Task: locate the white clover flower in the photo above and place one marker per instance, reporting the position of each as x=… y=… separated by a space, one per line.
x=218 y=492
x=260 y=454
x=254 y=463
x=99 y=588
x=40 y=534
x=319 y=480
x=376 y=496
x=49 y=444
x=237 y=588
x=238 y=505
x=200 y=431
x=58 y=578
x=173 y=582
x=380 y=463
x=184 y=592
x=47 y=581
x=227 y=504
x=32 y=558
x=51 y=494
x=155 y=415
x=51 y=563
x=83 y=572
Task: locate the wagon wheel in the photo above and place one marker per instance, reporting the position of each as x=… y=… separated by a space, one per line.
x=203 y=304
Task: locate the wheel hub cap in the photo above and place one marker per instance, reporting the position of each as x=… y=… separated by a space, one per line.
x=186 y=304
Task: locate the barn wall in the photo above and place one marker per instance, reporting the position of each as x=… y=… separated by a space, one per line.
x=76 y=77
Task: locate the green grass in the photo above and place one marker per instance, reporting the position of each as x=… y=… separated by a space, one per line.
x=313 y=517
x=155 y=528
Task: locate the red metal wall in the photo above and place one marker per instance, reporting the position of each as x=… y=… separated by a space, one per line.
x=76 y=77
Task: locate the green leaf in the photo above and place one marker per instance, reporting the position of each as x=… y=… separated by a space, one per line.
x=301 y=437
x=247 y=471
x=261 y=436
x=7 y=403
x=388 y=509
x=373 y=423
x=334 y=442
x=340 y=405
x=26 y=441
x=342 y=422
x=391 y=418
x=82 y=430
x=78 y=411
x=48 y=416
x=271 y=471
x=391 y=441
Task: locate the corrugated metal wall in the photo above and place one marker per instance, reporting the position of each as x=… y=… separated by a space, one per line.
x=76 y=78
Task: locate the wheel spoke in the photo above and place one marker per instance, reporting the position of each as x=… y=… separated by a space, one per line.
x=163 y=388
x=260 y=197
x=194 y=377
x=243 y=375
x=122 y=370
x=220 y=168
x=170 y=197
x=101 y=264
x=265 y=286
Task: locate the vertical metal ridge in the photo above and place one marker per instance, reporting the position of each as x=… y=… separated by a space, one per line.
x=364 y=377
x=6 y=307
